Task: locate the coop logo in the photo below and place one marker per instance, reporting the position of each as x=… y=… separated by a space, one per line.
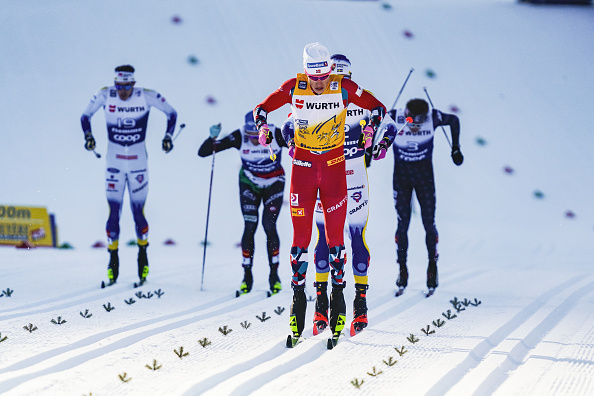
x=294 y=199
x=127 y=138
x=297 y=212
x=299 y=103
x=349 y=152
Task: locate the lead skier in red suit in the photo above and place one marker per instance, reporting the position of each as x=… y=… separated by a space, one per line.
x=318 y=102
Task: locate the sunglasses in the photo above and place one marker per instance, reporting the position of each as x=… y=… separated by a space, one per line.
x=124 y=87
x=318 y=78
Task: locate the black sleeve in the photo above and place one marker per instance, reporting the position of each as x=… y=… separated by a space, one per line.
x=279 y=137
x=229 y=141
x=452 y=120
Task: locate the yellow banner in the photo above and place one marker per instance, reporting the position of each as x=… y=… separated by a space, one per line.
x=19 y=224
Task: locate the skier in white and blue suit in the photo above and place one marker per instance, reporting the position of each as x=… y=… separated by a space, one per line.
x=126 y=114
x=413 y=170
x=261 y=180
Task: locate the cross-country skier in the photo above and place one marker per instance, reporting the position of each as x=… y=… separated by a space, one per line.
x=413 y=170
x=126 y=114
x=261 y=180
x=319 y=104
x=357 y=213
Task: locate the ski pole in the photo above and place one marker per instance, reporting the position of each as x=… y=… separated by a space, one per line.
x=96 y=154
x=272 y=155
x=407 y=121
x=208 y=214
x=432 y=107
x=181 y=127
x=403 y=85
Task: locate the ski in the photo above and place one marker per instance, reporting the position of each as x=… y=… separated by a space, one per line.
x=139 y=283
x=239 y=293
x=293 y=341
x=429 y=292
x=271 y=293
x=110 y=283
x=400 y=291
x=332 y=341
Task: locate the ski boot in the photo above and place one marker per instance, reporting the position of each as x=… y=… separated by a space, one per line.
x=297 y=318
x=274 y=280
x=359 y=309
x=337 y=313
x=248 y=281
x=143 y=266
x=432 y=278
x=321 y=313
x=113 y=268
x=402 y=280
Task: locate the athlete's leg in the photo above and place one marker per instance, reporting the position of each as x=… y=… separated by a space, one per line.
x=402 y=187
x=115 y=184
x=333 y=194
x=357 y=215
x=137 y=181
x=425 y=189
x=273 y=201
x=249 y=198
x=321 y=251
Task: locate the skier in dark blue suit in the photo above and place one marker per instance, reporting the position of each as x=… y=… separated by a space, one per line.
x=413 y=170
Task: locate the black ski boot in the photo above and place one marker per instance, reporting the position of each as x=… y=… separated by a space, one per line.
x=321 y=314
x=337 y=309
x=432 y=278
x=143 y=265
x=297 y=318
x=248 y=280
x=113 y=268
x=359 y=309
x=402 y=280
x=274 y=280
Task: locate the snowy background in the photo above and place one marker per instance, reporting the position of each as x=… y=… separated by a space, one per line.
x=519 y=77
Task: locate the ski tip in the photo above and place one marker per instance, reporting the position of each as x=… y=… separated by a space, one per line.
x=268 y=294
x=289 y=341
x=237 y=293
x=103 y=284
x=429 y=292
x=330 y=344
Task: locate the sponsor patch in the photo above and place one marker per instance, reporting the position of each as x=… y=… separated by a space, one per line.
x=359 y=91
x=316 y=65
x=113 y=170
x=350 y=172
x=336 y=160
x=357 y=196
x=299 y=103
x=250 y=218
x=294 y=199
x=298 y=212
x=305 y=164
x=302 y=85
x=334 y=86
x=140 y=178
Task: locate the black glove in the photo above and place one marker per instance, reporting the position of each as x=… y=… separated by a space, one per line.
x=457 y=156
x=89 y=141
x=167 y=144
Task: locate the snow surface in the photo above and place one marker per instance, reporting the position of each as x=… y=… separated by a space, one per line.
x=521 y=76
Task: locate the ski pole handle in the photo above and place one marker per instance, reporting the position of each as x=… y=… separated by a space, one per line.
x=272 y=155
x=407 y=121
x=181 y=127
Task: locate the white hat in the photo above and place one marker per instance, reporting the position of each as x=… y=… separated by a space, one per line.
x=316 y=59
x=341 y=65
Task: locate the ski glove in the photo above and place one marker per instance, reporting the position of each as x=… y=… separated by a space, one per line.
x=457 y=156
x=167 y=144
x=215 y=130
x=89 y=141
x=265 y=137
x=291 y=148
x=380 y=149
x=366 y=138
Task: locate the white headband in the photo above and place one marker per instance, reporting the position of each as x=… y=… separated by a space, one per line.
x=123 y=76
